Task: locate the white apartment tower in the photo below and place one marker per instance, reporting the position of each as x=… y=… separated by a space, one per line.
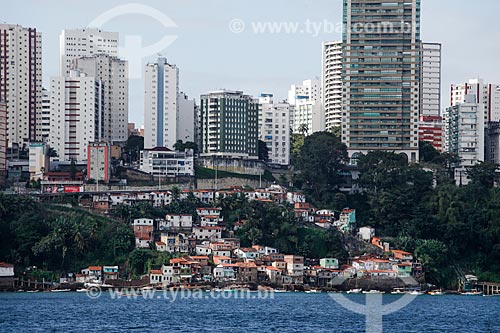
x=309 y=89
x=308 y=114
x=486 y=94
x=161 y=110
x=113 y=72
x=274 y=122
x=86 y=42
x=430 y=70
x=185 y=124
x=21 y=82
x=331 y=84
x=77 y=111
x=45 y=118
x=464 y=129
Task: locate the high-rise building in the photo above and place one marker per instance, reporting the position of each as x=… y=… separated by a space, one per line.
x=21 y=82
x=3 y=141
x=309 y=89
x=492 y=142
x=430 y=129
x=228 y=124
x=430 y=81
x=113 y=73
x=464 y=130
x=161 y=110
x=381 y=76
x=332 y=84
x=98 y=161
x=77 y=111
x=185 y=120
x=307 y=116
x=274 y=122
x=486 y=94
x=45 y=115
x=86 y=42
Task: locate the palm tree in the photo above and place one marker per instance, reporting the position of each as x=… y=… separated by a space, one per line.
x=303 y=129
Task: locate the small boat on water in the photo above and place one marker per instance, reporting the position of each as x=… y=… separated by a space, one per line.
x=60 y=290
x=355 y=291
x=280 y=291
x=416 y=293
x=373 y=292
x=81 y=290
x=32 y=291
x=472 y=293
x=399 y=291
x=312 y=291
x=436 y=293
x=147 y=288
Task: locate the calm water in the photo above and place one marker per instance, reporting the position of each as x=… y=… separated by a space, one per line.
x=287 y=312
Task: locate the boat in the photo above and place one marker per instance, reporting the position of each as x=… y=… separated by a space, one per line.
x=416 y=293
x=279 y=290
x=20 y=291
x=147 y=288
x=472 y=293
x=398 y=291
x=312 y=291
x=355 y=291
x=81 y=290
x=60 y=290
x=373 y=292
x=436 y=293
x=32 y=291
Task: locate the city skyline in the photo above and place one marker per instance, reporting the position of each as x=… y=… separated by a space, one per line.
x=239 y=66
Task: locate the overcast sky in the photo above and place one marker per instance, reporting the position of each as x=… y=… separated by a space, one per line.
x=210 y=56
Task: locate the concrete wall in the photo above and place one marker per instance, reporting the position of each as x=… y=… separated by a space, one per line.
x=241 y=166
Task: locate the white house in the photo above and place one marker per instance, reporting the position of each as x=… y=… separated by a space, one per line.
x=201 y=233
x=179 y=221
x=161 y=247
x=6 y=270
x=366 y=233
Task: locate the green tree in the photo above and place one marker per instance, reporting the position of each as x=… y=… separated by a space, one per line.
x=263 y=151
x=321 y=159
x=483 y=173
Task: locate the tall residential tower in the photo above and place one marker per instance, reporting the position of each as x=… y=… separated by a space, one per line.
x=381 y=76
x=21 y=82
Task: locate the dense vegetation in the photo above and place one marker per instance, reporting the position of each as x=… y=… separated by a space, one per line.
x=56 y=238
x=417 y=207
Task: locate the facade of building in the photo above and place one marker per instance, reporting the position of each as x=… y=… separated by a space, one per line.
x=430 y=70
x=113 y=72
x=38 y=159
x=228 y=124
x=161 y=109
x=430 y=129
x=98 y=161
x=87 y=42
x=21 y=82
x=308 y=114
x=463 y=133
x=309 y=89
x=274 y=121
x=185 y=122
x=3 y=141
x=77 y=110
x=164 y=162
x=45 y=116
x=492 y=142
x=381 y=76
x=486 y=94
x=332 y=84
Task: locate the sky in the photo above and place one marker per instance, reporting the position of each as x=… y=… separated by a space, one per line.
x=217 y=46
